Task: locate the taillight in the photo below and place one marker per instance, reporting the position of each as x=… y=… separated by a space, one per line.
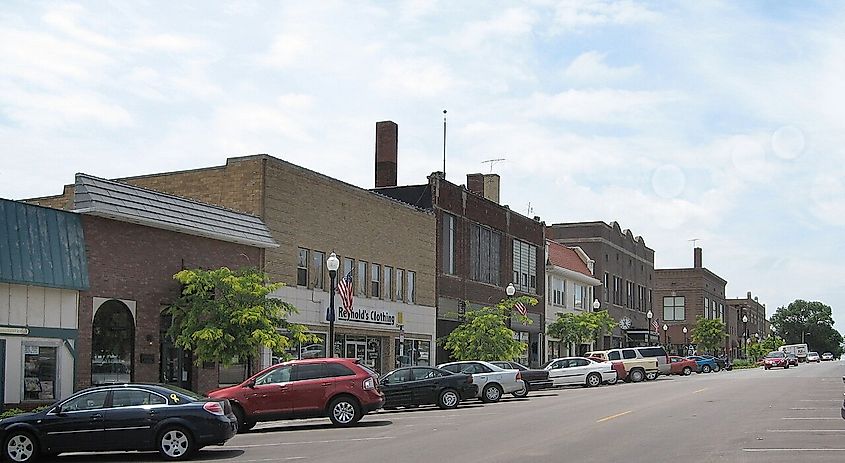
x=518 y=375
x=214 y=408
x=369 y=384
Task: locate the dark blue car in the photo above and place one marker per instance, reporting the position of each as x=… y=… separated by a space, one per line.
x=705 y=364
x=173 y=421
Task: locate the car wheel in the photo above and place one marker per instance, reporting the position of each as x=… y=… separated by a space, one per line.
x=705 y=368
x=344 y=411
x=765 y=368
x=651 y=376
x=175 y=443
x=786 y=367
x=522 y=392
x=491 y=393
x=612 y=381
x=593 y=380
x=243 y=424
x=449 y=398
x=716 y=368
x=687 y=371
x=20 y=447
x=636 y=375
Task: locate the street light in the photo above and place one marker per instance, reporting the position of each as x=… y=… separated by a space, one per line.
x=510 y=290
x=649 y=314
x=332 y=263
x=596 y=305
x=685 y=336
x=665 y=335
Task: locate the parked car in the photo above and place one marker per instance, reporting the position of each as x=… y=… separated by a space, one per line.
x=827 y=356
x=656 y=352
x=173 y=421
x=414 y=386
x=792 y=358
x=720 y=361
x=682 y=366
x=843 y=403
x=704 y=364
x=342 y=389
x=580 y=370
x=813 y=357
x=635 y=367
x=775 y=359
x=534 y=379
x=492 y=381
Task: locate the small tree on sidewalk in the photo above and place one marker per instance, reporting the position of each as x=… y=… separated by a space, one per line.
x=485 y=334
x=224 y=315
x=709 y=334
x=581 y=327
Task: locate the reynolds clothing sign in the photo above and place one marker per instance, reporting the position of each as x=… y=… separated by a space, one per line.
x=373 y=317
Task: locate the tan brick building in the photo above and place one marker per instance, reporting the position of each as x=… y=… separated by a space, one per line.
x=388 y=245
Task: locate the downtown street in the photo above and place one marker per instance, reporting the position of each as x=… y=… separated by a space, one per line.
x=732 y=416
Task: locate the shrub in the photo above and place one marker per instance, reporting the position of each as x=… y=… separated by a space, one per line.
x=740 y=364
x=17 y=411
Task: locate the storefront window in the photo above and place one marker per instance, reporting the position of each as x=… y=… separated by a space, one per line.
x=39 y=380
x=412 y=353
x=306 y=350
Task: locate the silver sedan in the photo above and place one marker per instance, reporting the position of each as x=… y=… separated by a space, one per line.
x=580 y=370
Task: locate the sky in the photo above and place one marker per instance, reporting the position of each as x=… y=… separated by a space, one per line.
x=716 y=121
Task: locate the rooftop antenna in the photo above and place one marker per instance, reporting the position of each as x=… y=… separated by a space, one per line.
x=530 y=209
x=493 y=162
x=444 y=143
x=694 y=240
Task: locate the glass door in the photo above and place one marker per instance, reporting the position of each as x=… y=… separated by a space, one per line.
x=356 y=349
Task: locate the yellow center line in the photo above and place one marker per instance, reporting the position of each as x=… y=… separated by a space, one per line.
x=613 y=416
x=700 y=390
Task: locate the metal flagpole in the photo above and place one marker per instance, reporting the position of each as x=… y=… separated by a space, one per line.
x=444 y=143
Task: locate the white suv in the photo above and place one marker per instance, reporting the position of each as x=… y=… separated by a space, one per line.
x=492 y=381
x=664 y=366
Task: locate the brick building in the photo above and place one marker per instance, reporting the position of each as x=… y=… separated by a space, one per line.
x=388 y=246
x=482 y=246
x=682 y=295
x=625 y=265
x=757 y=326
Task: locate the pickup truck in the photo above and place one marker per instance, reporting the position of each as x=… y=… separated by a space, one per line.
x=635 y=369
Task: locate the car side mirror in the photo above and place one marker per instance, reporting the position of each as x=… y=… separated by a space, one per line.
x=57 y=410
x=250 y=384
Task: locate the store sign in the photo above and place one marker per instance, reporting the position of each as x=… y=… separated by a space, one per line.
x=14 y=331
x=369 y=316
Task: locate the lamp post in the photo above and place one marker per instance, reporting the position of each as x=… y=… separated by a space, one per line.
x=665 y=335
x=685 y=336
x=745 y=333
x=332 y=263
x=596 y=305
x=649 y=314
x=510 y=291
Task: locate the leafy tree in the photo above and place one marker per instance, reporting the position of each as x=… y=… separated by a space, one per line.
x=757 y=350
x=581 y=327
x=812 y=318
x=224 y=315
x=485 y=334
x=772 y=343
x=709 y=334
x=598 y=323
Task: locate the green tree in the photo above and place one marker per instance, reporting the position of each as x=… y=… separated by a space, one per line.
x=581 y=327
x=771 y=343
x=810 y=322
x=224 y=315
x=598 y=323
x=757 y=350
x=485 y=334
x=709 y=335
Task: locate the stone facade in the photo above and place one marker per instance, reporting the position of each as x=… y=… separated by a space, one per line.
x=622 y=262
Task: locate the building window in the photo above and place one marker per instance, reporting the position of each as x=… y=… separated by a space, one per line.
x=580 y=295
x=319 y=259
x=361 y=289
x=629 y=294
x=721 y=311
x=524 y=266
x=411 y=353
x=348 y=267
x=412 y=293
x=302 y=268
x=449 y=229
x=617 y=290
x=706 y=308
x=557 y=291
x=484 y=248
x=39 y=373
x=606 y=286
x=400 y=284
x=388 y=282
x=650 y=299
x=673 y=308
x=375 y=280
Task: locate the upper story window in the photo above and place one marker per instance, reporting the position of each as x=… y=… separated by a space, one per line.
x=319 y=260
x=580 y=295
x=673 y=308
x=375 y=280
x=449 y=234
x=361 y=287
x=412 y=287
x=348 y=267
x=617 y=290
x=606 y=286
x=707 y=308
x=484 y=250
x=557 y=291
x=302 y=268
x=388 y=282
x=400 y=284
x=524 y=266
x=629 y=294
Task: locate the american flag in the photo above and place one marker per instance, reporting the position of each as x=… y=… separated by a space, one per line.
x=520 y=307
x=655 y=325
x=344 y=289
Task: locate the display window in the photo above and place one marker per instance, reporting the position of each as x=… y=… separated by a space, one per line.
x=412 y=353
x=40 y=372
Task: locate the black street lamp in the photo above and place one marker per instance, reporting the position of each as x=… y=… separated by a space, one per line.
x=510 y=291
x=665 y=335
x=685 y=337
x=649 y=314
x=332 y=263
x=745 y=333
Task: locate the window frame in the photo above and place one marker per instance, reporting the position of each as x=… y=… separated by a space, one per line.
x=319 y=270
x=301 y=268
x=375 y=291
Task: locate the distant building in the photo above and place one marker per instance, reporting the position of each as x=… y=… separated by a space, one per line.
x=571 y=286
x=683 y=295
x=757 y=327
x=625 y=266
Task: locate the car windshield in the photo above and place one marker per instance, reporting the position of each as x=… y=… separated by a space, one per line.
x=775 y=355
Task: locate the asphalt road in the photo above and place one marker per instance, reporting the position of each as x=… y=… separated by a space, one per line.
x=753 y=416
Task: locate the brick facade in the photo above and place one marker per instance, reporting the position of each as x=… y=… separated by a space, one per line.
x=136 y=263
x=696 y=286
x=758 y=324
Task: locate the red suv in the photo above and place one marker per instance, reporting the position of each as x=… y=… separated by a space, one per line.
x=341 y=389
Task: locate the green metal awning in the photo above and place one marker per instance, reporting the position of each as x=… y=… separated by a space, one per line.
x=41 y=246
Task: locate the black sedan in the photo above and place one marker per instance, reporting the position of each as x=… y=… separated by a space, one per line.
x=173 y=421
x=414 y=386
x=534 y=379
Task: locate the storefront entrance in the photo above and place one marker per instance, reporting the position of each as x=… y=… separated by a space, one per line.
x=175 y=362
x=112 y=344
x=364 y=348
x=356 y=349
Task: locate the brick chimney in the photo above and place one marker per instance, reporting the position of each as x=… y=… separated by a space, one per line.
x=696 y=257
x=387 y=147
x=486 y=185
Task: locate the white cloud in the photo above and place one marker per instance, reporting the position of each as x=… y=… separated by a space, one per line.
x=578 y=14
x=170 y=43
x=590 y=68
x=414 y=78
x=600 y=105
x=65 y=20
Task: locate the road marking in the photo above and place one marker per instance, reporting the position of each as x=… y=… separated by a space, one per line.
x=793 y=450
x=614 y=416
x=700 y=390
x=813 y=418
x=805 y=430
x=820 y=400
x=328 y=441
x=815 y=408
x=272 y=459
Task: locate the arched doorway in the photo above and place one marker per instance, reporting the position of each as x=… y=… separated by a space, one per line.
x=112 y=344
